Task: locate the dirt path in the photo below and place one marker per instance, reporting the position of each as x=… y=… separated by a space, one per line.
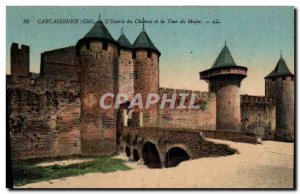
x=64 y=162
x=268 y=165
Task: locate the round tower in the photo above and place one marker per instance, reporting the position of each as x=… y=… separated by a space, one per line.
x=224 y=79
x=279 y=84
x=125 y=82
x=97 y=53
x=146 y=73
x=125 y=67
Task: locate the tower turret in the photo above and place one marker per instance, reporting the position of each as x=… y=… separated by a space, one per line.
x=125 y=67
x=19 y=60
x=98 y=53
x=279 y=84
x=224 y=79
x=146 y=72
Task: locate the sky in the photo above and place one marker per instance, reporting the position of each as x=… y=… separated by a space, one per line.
x=254 y=35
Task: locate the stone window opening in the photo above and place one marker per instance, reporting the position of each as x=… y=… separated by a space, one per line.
x=136 y=76
x=129 y=114
x=60 y=84
x=128 y=123
x=87 y=45
x=104 y=45
x=148 y=54
x=32 y=82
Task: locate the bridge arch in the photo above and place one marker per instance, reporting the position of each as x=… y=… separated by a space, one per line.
x=176 y=155
x=136 y=156
x=150 y=155
x=127 y=151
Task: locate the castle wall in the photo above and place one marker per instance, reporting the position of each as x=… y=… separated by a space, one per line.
x=43 y=124
x=258 y=115
x=19 y=60
x=60 y=64
x=18 y=81
x=201 y=119
x=97 y=77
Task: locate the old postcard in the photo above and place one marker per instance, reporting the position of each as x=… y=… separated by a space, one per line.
x=150 y=97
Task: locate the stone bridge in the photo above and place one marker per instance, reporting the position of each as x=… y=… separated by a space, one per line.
x=165 y=147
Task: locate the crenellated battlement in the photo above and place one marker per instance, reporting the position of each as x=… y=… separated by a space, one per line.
x=19 y=60
x=24 y=48
x=257 y=99
x=199 y=94
x=41 y=85
x=98 y=46
x=98 y=55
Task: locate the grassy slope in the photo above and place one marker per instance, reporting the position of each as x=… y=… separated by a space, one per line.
x=27 y=171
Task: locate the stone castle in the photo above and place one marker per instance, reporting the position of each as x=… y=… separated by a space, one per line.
x=57 y=112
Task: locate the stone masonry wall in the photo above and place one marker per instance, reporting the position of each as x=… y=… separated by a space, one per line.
x=43 y=124
x=282 y=89
x=146 y=80
x=258 y=115
x=125 y=73
x=60 y=64
x=203 y=118
x=98 y=76
x=227 y=91
x=285 y=108
x=19 y=60
x=270 y=87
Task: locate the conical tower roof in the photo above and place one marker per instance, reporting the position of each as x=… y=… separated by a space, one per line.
x=281 y=69
x=224 y=59
x=144 y=42
x=124 y=42
x=97 y=32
